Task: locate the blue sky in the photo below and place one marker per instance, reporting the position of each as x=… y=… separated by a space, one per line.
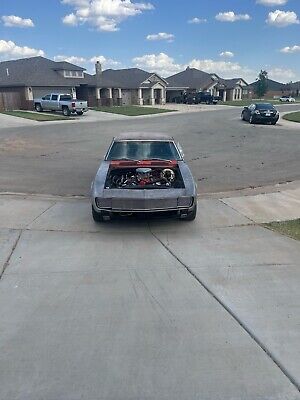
x=230 y=37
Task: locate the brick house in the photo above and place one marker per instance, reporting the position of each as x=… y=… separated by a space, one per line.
x=194 y=80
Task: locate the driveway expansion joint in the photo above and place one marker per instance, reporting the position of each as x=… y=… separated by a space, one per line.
x=243 y=325
x=6 y=263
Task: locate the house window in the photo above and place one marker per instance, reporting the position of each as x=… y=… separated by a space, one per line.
x=73 y=74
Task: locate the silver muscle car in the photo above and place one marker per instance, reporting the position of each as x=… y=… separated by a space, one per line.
x=144 y=173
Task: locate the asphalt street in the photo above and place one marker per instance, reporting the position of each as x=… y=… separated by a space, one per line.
x=223 y=152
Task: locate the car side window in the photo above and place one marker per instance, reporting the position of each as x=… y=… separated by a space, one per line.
x=47 y=97
x=54 y=97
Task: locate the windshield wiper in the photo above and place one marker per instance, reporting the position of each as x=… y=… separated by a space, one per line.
x=160 y=159
x=124 y=159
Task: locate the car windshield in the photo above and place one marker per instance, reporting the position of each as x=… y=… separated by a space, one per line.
x=264 y=106
x=143 y=150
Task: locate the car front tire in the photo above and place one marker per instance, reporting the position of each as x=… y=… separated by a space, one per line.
x=97 y=216
x=192 y=214
x=79 y=112
x=251 y=120
x=38 y=107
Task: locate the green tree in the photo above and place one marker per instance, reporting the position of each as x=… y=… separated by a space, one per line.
x=262 y=84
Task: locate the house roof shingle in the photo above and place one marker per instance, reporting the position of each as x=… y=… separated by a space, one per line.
x=191 y=78
x=272 y=85
x=38 y=71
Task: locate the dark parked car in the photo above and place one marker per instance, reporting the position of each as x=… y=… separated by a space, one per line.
x=196 y=98
x=260 y=112
x=144 y=173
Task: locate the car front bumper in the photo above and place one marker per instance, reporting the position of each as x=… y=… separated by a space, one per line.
x=142 y=205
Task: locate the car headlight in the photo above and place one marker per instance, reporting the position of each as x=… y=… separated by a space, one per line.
x=256 y=112
x=185 y=201
x=103 y=202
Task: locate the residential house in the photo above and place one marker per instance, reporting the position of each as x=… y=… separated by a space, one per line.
x=23 y=80
x=274 y=89
x=129 y=86
x=194 y=80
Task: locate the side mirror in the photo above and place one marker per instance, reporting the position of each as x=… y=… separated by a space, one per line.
x=245 y=108
x=43 y=98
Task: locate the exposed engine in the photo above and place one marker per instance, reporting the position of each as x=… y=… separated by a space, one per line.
x=144 y=178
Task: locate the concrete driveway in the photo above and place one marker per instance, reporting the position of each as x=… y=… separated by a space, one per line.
x=158 y=309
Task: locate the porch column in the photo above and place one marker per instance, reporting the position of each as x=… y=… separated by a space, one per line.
x=98 y=97
x=140 y=97
x=109 y=97
x=152 y=99
x=162 y=97
x=224 y=95
x=119 y=99
x=241 y=94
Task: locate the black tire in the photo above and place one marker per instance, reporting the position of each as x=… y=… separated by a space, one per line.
x=251 y=120
x=97 y=216
x=66 y=112
x=274 y=122
x=243 y=116
x=38 y=107
x=79 y=112
x=192 y=214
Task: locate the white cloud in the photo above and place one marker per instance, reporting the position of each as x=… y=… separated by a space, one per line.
x=17 y=22
x=230 y=16
x=226 y=69
x=228 y=54
x=88 y=63
x=71 y=59
x=166 y=66
x=70 y=19
x=169 y=37
x=290 y=49
x=104 y=15
x=9 y=50
x=281 y=19
x=197 y=20
x=271 y=3
x=281 y=74
x=160 y=63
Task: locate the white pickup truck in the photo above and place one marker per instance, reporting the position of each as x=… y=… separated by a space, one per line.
x=61 y=102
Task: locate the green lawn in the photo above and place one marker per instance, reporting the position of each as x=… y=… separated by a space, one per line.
x=288 y=228
x=132 y=111
x=35 y=116
x=294 y=116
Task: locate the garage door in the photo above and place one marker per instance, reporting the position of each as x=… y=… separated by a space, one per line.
x=10 y=101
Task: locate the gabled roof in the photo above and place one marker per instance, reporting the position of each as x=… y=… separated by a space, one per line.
x=191 y=78
x=231 y=83
x=129 y=78
x=272 y=85
x=38 y=71
x=65 y=65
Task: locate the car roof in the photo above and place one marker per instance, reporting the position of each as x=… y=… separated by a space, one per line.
x=142 y=136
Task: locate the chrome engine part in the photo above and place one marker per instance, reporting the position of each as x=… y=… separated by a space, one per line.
x=148 y=178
